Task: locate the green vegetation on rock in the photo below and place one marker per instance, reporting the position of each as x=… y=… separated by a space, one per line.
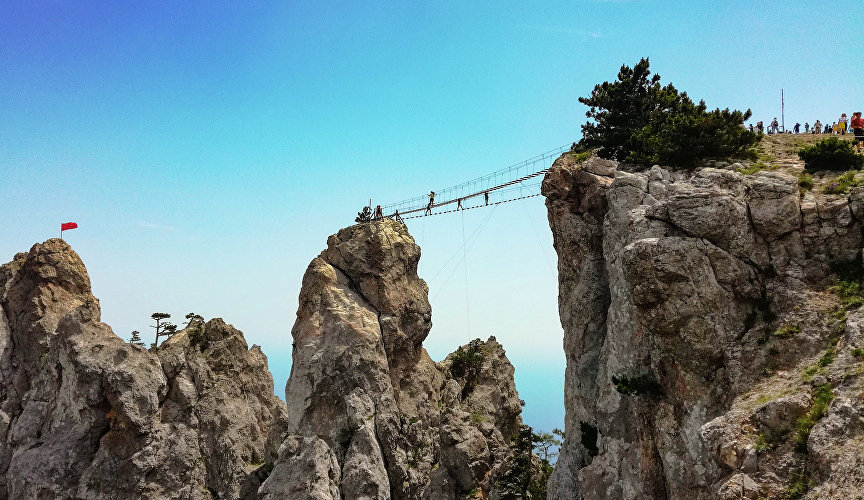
x=636 y=120
x=832 y=154
x=637 y=386
x=466 y=364
x=788 y=330
x=822 y=397
x=805 y=182
x=467 y=360
x=843 y=184
x=527 y=473
x=799 y=483
x=580 y=156
x=771 y=439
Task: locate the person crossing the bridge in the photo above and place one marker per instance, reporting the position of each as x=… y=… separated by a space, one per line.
x=459 y=204
x=431 y=203
x=486 y=197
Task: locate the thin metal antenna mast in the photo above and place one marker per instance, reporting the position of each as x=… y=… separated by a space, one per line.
x=783 y=110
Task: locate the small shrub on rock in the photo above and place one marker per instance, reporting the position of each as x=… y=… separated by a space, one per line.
x=827 y=358
x=832 y=154
x=466 y=365
x=640 y=385
x=799 y=483
x=788 y=330
x=822 y=397
x=771 y=439
x=580 y=156
x=805 y=182
x=843 y=184
x=467 y=360
x=850 y=294
x=756 y=167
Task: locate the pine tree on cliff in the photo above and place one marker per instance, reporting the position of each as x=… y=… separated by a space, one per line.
x=192 y=317
x=162 y=329
x=136 y=338
x=515 y=483
x=195 y=328
x=636 y=120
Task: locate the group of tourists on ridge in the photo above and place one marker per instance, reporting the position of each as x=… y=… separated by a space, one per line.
x=840 y=127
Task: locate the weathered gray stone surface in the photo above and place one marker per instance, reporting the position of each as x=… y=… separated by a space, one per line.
x=84 y=414
x=370 y=415
x=675 y=285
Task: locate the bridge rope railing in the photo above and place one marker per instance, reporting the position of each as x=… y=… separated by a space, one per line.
x=499 y=197
x=490 y=186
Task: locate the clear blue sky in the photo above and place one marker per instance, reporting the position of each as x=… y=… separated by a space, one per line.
x=207 y=149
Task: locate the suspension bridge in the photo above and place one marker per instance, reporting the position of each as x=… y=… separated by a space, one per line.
x=516 y=182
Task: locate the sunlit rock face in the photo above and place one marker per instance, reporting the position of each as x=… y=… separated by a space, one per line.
x=699 y=333
x=84 y=414
x=370 y=415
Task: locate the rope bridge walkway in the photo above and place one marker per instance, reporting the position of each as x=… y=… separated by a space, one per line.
x=502 y=186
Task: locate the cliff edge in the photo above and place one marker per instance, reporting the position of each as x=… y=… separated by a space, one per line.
x=713 y=334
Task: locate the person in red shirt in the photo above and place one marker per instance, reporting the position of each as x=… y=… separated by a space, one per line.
x=858 y=129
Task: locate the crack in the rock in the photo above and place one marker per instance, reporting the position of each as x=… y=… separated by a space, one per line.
x=688 y=234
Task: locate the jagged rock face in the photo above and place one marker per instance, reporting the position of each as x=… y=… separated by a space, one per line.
x=370 y=415
x=671 y=288
x=84 y=414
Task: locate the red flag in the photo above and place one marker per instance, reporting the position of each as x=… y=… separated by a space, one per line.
x=68 y=225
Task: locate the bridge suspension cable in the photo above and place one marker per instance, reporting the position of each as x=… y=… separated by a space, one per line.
x=502 y=186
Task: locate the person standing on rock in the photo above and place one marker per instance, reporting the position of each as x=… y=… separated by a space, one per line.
x=431 y=203
x=844 y=124
x=858 y=129
x=379 y=214
x=797 y=128
x=775 y=125
x=817 y=127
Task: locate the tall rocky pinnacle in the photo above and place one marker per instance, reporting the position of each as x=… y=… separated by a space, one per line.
x=370 y=415
x=707 y=355
x=84 y=414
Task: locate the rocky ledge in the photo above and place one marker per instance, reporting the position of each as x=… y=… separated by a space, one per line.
x=713 y=334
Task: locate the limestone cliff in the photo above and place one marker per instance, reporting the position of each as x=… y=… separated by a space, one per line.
x=84 y=414
x=370 y=415
x=707 y=355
